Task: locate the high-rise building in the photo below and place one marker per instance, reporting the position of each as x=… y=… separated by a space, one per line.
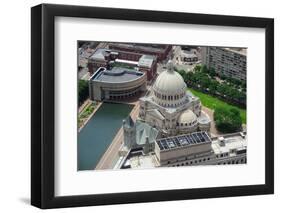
x=230 y=62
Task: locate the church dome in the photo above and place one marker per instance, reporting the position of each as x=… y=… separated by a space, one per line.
x=169 y=88
x=187 y=117
x=187 y=122
x=169 y=82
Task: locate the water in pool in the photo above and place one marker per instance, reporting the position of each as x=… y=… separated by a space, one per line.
x=97 y=135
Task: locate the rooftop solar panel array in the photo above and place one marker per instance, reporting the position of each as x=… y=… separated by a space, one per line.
x=183 y=140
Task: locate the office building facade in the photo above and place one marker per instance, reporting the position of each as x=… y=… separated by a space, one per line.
x=230 y=62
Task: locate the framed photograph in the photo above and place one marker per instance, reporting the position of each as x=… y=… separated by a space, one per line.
x=140 y=106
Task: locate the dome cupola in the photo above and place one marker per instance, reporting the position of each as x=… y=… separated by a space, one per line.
x=169 y=89
x=187 y=122
x=187 y=118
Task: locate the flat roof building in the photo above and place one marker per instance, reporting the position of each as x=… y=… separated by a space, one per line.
x=109 y=58
x=193 y=149
x=199 y=148
x=188 y=56
x=160 y=50
x=146 y=61
x=230 y=62
x=230 y=149
x=182 y=147
x=116 y=84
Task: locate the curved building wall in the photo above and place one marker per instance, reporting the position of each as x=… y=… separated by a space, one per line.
x=116 y=88
x=188 y=128
x=167 y=100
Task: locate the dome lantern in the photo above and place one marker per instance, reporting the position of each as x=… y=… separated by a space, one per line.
x=170 y=66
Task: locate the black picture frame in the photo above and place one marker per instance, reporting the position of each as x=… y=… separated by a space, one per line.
x=43 y=117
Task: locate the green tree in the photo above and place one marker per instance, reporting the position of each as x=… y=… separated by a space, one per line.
x=227 y=121
x=197 y=68
x=212 y=72
x=204 y=69
x=222 y=77
x=83 y=91
x=189 y=77
x=204 y=81
x=213 y=87
x=183 y=74
x=243 y=84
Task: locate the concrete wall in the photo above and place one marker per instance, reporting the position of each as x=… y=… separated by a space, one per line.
x=183 y=152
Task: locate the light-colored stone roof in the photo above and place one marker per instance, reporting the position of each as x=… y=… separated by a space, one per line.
x=156 y=113
x=187 y=117
x=169 y=82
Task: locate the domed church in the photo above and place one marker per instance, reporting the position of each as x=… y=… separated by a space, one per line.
x=170 y=108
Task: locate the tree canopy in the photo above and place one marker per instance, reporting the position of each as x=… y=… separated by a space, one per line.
x=206 y=80
x=83 y=91
x=227 y=121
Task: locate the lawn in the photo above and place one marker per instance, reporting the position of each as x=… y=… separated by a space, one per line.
x=213 y=102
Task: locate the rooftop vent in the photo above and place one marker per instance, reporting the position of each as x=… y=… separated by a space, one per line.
x=221 y=141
